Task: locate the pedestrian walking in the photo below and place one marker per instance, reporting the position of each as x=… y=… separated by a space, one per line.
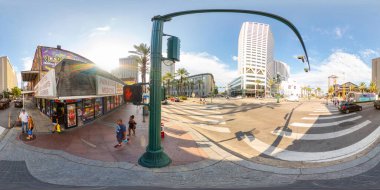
x=121 y=131
x=24 y=120
x=30 y=128
x=132 y=125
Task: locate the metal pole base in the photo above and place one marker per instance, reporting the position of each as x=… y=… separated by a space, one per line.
x=154 y=159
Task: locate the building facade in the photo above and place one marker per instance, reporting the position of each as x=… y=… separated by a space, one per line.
x=70 y=88
x=8 y=76
x=376 y=71
x=282 y=69
x=200 y=85
x=128 y=70
x=290 y=88
x=255 y=60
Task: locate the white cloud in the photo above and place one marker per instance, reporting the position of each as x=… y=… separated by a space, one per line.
x=27 y=63
x=348 y=67
x=196 y=63
x=104 y=29
x=99 y=31
x=337 y=32
x=369 y=52
x=235 y=58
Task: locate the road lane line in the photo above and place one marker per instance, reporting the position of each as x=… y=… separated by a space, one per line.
x=198 y=113
x=202 y=110
x=322 y=136
x=329 y=117
x=324 y=124
x=313 y=156
x=322 y=111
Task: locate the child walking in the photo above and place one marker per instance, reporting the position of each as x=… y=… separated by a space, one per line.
x=132 y=125
x=30 y=128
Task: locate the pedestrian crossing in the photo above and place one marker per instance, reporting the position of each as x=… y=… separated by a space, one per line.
x=197 y=116
x=324 y=118
x=327 y=118
x=2 y=129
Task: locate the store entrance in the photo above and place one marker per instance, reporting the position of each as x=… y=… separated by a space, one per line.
x=61 y=113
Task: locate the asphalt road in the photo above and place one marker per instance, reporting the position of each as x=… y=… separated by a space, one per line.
x=4 y=114
x=289 y=134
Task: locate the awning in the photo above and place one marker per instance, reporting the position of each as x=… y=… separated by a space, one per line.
x=29 y=75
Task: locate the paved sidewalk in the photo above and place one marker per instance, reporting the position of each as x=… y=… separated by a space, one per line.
x=95 y=141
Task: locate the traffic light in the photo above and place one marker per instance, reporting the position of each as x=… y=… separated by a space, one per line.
x=173 y=50
x=133 y=93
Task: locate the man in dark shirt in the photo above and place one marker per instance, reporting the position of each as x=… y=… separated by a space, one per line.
x=121 y=131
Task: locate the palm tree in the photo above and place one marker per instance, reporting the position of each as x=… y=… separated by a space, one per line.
x=362 y=86
x=258 y=82
x=352 y=87
x=182 y=73
x=373 y=87
x=175 y=85
x=200 y=83
x=271 y=83
x=318 y=90
x=168 y=77
x=185 y=86
x=143 y=52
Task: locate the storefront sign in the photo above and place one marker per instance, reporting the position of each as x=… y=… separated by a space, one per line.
x=47 y=86
x=119 y=89
x=105 y=86
x=52 y=56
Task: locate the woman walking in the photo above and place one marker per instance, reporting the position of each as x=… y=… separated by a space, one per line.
x=132 y=125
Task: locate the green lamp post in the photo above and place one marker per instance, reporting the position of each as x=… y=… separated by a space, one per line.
x=155 y=157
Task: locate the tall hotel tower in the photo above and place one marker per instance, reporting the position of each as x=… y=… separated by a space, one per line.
x=255 y=60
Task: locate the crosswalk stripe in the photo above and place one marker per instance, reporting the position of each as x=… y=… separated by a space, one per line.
x=198 y=113
x=321 y=111
x=324 y=124
x=199 y=118
x=338 y=113
x=313 y=156
x=202 y=110
x=323 y=136
x=212 y=128
x=329 y=117
x=2 y=129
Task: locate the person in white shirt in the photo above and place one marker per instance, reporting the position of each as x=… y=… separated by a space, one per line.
x=24 y=120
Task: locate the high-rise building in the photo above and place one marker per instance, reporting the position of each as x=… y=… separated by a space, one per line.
x=376 y=71
x=282 y=69
x=127 y=70
x=255 y=60
x=8 y=77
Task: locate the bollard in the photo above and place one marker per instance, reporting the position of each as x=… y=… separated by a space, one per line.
x=162 y=130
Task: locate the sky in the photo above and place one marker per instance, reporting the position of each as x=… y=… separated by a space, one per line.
x=341 y=36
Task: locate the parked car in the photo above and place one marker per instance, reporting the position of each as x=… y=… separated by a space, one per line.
x=292 y=99
x=347 y=107
x=4 y=103
x=18 y=103
x=376 y=104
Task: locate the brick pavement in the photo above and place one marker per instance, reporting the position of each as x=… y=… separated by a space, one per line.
x=96 y=140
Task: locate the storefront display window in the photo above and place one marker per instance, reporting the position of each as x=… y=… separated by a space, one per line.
x=98 y=107
x=71 y=115
x=112 y=99
x=88 y=110
x=117 y=101
x=79 y=113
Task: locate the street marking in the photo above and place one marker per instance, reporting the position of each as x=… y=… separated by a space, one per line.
x=199 y=118
x=88 y=143
x=321 y=111
x=323 y=136
x=330 y=117
x=324 y=124
x=324 y=113
x=313 y=156
x=198 y=109
x=216 y=129
x=2 y=129
x=198 y=114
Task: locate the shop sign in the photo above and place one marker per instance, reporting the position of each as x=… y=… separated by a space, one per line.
x=119 y=89
x=46 y=87
x=105 y=86
x=52 y=56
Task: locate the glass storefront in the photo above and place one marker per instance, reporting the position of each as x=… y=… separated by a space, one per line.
x=88 y=110
x=98 y=107
x=71 y=115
